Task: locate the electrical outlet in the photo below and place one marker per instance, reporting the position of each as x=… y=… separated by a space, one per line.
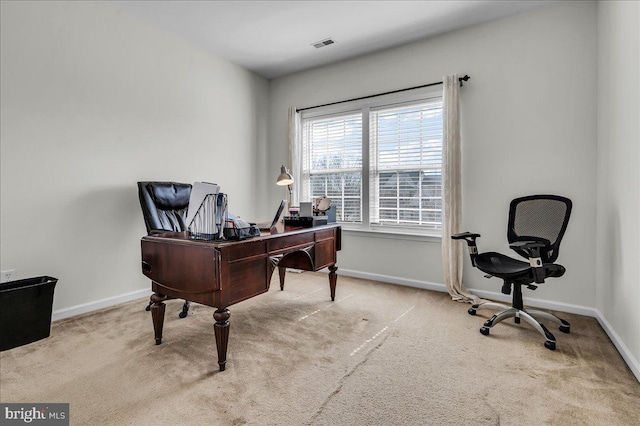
x=7 y=275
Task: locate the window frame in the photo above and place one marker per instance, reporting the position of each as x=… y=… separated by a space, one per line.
x=364 y=107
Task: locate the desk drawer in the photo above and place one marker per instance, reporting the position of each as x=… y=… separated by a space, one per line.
x=324 y=254
x=245 y=278
x=289 y=241
x=183 y=268
x=325 y=235
x=243 y=250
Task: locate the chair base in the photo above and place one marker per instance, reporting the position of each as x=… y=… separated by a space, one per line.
x=528 y=315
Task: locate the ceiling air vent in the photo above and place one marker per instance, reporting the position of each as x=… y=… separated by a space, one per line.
x=323 y=43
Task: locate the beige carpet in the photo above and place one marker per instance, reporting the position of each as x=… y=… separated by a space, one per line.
x=379 y=355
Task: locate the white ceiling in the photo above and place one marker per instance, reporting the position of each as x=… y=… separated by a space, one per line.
x=273 y=38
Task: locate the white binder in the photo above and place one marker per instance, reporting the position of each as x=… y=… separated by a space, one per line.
x=207 y=211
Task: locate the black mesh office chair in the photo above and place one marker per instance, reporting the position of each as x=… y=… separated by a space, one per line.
x=536 y=226
x=164 y=208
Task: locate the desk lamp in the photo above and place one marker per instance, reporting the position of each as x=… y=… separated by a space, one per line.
x=285 y=178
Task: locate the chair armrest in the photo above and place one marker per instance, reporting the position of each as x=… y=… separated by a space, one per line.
x=464 y=236
x=470 y=238
x=532 y=249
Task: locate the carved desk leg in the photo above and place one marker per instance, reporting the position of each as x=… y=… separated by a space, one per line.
x=221 y=329
x=333 y=277
x=282 y=271
x=157 y=315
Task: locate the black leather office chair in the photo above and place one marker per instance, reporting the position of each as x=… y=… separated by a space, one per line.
x=164 y=208
x=536 y=226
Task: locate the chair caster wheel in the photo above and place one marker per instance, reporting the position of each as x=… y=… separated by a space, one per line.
x=550 y=345
x=565 y=329
x=471 y=311
x=182 y=314
x=485 y=331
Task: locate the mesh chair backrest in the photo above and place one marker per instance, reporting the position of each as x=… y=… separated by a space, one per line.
x=539 y=218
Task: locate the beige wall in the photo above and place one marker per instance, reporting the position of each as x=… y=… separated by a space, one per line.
x=93 y=101
x=528 y=126
x=618 y=242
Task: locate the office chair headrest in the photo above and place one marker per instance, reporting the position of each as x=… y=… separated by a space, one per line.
x=170 y=195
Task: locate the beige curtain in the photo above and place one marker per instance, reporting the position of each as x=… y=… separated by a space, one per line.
x=452 y=251
x=294 y=138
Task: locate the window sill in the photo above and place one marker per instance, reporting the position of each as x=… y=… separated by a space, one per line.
x=398 y=234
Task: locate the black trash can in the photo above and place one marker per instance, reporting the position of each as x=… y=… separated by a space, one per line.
x=25 y=311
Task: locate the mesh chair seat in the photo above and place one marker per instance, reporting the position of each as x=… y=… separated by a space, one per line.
x=500 y=265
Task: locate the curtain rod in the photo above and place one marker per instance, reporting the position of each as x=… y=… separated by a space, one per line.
x=460 y=79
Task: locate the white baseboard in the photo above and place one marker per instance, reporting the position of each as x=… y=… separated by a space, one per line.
x=98 y=304
x=393 y=280
x=631 y=361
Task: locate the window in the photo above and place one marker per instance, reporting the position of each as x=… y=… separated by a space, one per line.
x=332 y=163
x=380 y=165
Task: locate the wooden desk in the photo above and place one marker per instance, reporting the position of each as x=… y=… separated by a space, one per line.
x=219 y=274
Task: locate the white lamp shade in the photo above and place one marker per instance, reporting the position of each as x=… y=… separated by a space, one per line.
x=285 y=177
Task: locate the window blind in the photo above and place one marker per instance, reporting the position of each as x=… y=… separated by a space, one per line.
x=406 y=164
x=332 y=163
